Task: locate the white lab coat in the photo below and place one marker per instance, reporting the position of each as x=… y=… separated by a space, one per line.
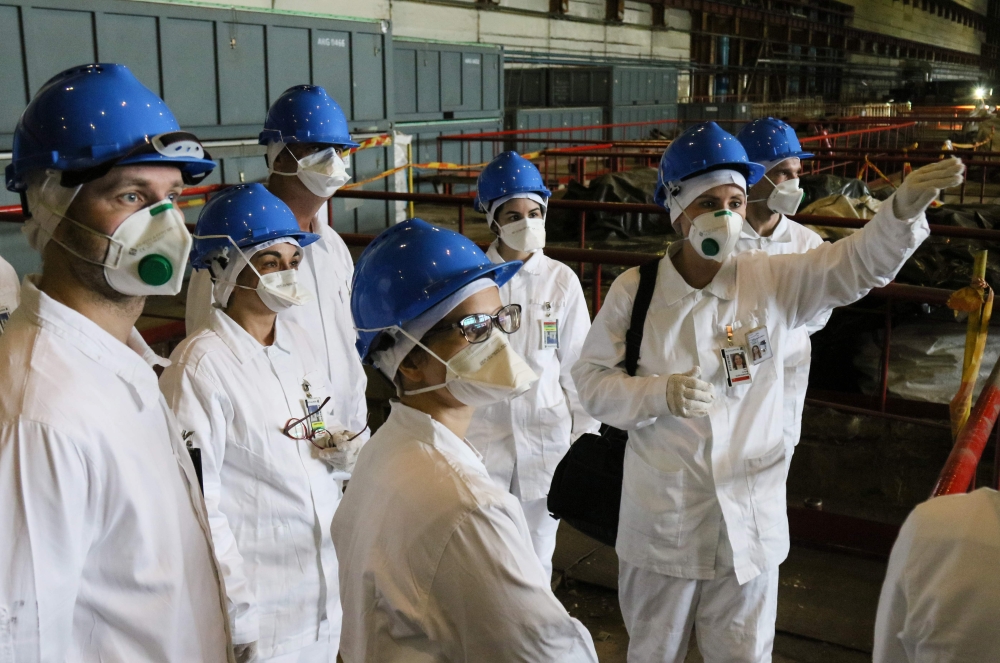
x=941 y=599
x=270 y=499
x=436 y=562
x=535 y=429
x=106 y=552
x=327 y=269
x=683 y=476
x=790 y=237
x=10 y=289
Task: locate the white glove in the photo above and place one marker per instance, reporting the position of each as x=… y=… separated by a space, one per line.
x=687 y=396
x=245 y=653
x=924 y=184
x=340 y=450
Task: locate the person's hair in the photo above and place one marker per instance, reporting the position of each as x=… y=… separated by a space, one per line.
x=756 y=350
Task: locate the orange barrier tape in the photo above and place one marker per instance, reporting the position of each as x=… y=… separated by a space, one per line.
x=374 y=141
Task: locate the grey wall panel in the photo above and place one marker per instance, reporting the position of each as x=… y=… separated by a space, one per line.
x=554 y=118
x=240 y=170
x=451 y=81
x=425 y=147
x=67 y=39
x=368 y=68
x=428 y=81
x=472 y=81
x=133 y=41
x=371 y=216
x=491 y=82
x=287 y=59
x=14 y=94
x=189 y=82
x=242 y=80
x=405 y=63
x=331 y=57
x=643 y=113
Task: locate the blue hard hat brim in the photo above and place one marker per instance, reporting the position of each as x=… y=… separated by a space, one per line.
x=268 y=136
x=189 y=165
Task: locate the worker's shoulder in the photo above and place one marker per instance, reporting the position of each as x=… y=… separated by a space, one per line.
x=951 y=516
x=197 y=350
x=803 y=238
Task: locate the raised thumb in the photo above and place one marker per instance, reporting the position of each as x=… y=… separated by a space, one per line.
x=693 y=373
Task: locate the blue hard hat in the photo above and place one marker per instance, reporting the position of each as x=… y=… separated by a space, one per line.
x=702 y=148
x=248 y=213
x=93 y=117
x=306 y=114
x=770 y=139
x=508 y=173
x=408 y=269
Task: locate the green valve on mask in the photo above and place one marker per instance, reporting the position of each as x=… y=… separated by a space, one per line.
x=710 y=247
x=155 y=270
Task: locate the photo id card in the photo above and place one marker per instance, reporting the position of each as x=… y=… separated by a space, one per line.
x=737 y=370
x=759 y=344
x=550 y=334
x=315 y=420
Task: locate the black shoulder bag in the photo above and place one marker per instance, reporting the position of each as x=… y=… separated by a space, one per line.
x=586 y=488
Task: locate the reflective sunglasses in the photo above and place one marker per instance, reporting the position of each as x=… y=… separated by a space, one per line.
x=477 y=327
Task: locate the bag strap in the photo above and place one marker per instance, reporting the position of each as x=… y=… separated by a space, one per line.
x=643 y=297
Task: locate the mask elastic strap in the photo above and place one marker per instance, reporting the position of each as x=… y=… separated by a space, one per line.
x=115 y=248
x=764 y=200
x=423 y=390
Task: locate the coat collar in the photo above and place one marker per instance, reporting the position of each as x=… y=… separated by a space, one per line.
x=782 y=232
x=674 y=288
x=423 y=427
x=244 y=346
x=533 y=265
x=130 y=361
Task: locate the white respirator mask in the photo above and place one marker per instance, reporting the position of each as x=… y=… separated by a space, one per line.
x=482 y=374
x=277 y=290
x=714 y=234
x=527 y=235
x=322 y=172
x=146 y=254
x=785 y=198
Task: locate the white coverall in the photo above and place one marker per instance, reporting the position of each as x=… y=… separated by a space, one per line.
x=941 y=599
x=106 y=553
x=10 y=289
x=790 y=237
x=687 y=478
x=522 y=440
x=436 y=562
x=270 y=499
x=326 y=270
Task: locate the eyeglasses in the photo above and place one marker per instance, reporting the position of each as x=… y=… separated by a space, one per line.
x=310 y=427
x=477 y=327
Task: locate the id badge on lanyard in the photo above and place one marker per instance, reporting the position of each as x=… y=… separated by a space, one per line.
x=313 y=411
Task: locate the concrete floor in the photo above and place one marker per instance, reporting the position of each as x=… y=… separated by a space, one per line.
x=826 y=602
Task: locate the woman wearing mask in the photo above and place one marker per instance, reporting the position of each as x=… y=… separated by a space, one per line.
x=703 y=525
x=249 y=391
x=523 y=439
x=436 y=561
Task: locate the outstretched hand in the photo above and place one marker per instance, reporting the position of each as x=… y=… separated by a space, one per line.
x=924 y=184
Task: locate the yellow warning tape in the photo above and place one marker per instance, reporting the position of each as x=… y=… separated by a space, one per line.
x=374 y=141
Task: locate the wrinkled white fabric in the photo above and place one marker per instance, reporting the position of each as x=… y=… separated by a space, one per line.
x=790 y=237
x=436 y=562
x=10 y=292
x=941 y=595
x=106 y=553
x=687 y=396
x=48 y=201
x=388 y=360
x=270 y=498
x=683 y=476
x=326 y=270
x=534 y=431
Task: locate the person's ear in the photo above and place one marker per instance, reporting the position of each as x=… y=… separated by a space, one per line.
x=411 y=369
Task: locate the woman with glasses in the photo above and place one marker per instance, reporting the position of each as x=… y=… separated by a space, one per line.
x=251 y=393
x=523 y=439
x=436 y=561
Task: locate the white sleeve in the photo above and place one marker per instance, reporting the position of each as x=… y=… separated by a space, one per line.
x=575 y=326
x=50 y=515
x=203 y=408
x=807 y=285
x=813 y=240
x=490 y=600
x=198 y=307
x=893 y=608
x=606 y=391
